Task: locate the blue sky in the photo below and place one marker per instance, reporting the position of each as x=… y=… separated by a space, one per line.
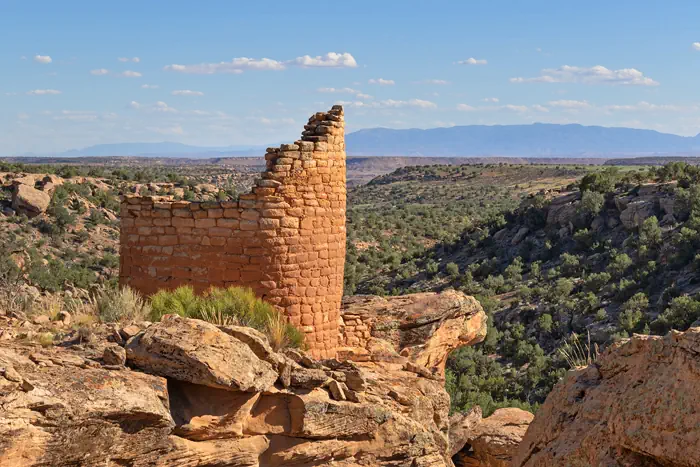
x=218 y=73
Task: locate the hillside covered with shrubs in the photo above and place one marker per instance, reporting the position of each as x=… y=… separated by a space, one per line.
x=562 y=273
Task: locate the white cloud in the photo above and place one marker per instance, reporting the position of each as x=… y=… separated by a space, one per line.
x=391 y=103
x=134 y=105
x=161 y=106
x=187 y=92
x=382 y=82
x=696 y=45
x=99 y=72
x=496 y=108
x=514 y=108
x=241 y=64
x=359 y=94
x=271 y=121
x=43 y=92
x=593 y=75
x=77 y=115
x=332 y=59
x=338 y=90
x=643 y=106
x=235 y=66
x=23 y=116
x=42 y=59
x=466 y=108
x=435 y=81
x=490 y=99
x=472 y=61
x=149 y=86
x=569 y=104
x=126 y=59
x=131 y=74
x=10 y=93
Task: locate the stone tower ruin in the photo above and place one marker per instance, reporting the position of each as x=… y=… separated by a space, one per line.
x=285 y=239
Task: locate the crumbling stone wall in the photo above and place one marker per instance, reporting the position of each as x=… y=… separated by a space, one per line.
x=285 y=239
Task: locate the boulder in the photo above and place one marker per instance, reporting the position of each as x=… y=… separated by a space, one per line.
x=462 y=426
x=65 y=415
x=114 y=355
x=520 y=236
x=423 y=327
x=636 y=406
x=495 y=440
x=198 y=352
x=635 y=213
x=561 y=214
x=30 y=201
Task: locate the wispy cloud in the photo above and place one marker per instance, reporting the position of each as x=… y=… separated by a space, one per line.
x=644 y=106
x=99 y=72
x=127 y=59
x=473 y=61
x=569 y=104
x=241 y=64
x=593 y=75
x=43 y=92
x=83 y=115
x=149 y=86
x=696 y=45
x=382 y=82
x=158 y=107
x=332 y=59
x=42 y=59
x=440 y=82
x=130 y=74
x=359 y=94
x=506 y=108
x=490 y=99
x=391 y=103
x=187 y=92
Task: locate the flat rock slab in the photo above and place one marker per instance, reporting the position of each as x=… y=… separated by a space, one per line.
x=198 y=352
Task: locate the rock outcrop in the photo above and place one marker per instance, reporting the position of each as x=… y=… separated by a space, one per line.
x=488 y=442
x=194 y=394
x=425 y=327
x=636 y=406
x=28 y=200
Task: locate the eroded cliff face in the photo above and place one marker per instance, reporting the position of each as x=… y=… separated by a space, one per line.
x=637 y=406
x=194 y=394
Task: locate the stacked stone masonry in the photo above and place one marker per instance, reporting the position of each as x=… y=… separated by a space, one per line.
x=285 y=239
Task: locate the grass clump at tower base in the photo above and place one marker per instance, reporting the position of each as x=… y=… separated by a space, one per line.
x=234 y=306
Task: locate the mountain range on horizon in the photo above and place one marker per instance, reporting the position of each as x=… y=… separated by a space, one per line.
x=534 y=140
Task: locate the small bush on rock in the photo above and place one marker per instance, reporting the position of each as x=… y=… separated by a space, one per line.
x=233 y=306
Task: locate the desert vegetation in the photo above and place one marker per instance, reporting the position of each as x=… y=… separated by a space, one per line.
x=609 y=254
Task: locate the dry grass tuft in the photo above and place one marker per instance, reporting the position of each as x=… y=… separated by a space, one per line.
x=579 y=355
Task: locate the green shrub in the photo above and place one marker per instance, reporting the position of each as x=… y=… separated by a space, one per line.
x=595 y=282
x=619 y=264
x=633 y=312
x=125 y=304
x=452 y=269
x=230 y=306
x=650 y=232
x=181 y=301
x=545 y=322
x=680 y=314
x=592 y=202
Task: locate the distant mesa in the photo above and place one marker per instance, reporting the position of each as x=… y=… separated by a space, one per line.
x=535 y=140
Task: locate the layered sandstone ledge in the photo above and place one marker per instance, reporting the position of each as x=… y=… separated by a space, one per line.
x=285 y=239
x=187 y=393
